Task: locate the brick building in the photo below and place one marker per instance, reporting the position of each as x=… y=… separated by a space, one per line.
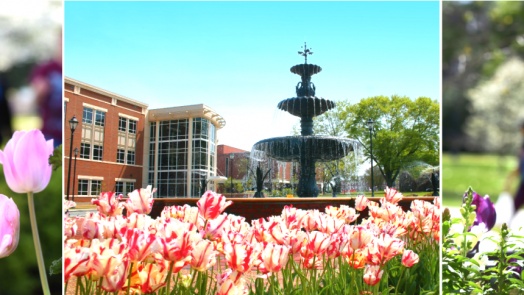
x=124 y=146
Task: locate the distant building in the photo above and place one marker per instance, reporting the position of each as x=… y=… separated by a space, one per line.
x=124 y=146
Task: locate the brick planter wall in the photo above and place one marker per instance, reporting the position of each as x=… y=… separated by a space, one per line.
x=258 y=208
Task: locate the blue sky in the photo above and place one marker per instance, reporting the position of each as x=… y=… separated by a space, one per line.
x=235 y=56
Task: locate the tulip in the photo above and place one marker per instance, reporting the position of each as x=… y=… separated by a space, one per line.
x=114 y=281
x=211 y=205
x=76 y=261
x=108 y=204
x=485 y=210
x=316 y=244
x=231 y=283
x=26 y=161
x=151 y=278
x=372 y=274
x=140 y=201
x=177 y=240
x=360 y=237
x=361 y=202
x=409 y=258
x=9 y=226
x=273 y=257
x=140 y=244
x=203 y=255
x=241 y=257
x=392 y=196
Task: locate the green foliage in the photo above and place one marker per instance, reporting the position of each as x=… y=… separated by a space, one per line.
x=20 y=270
x=56 y=267
x=56 y=159
x=405 y=131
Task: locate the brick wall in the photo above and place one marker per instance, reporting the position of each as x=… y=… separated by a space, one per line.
x=108 y=169
x=255 y=209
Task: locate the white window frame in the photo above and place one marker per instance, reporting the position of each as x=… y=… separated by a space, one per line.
x=92 y=128
x=127 y=137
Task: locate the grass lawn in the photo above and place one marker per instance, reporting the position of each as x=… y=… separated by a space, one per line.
x=486 y=174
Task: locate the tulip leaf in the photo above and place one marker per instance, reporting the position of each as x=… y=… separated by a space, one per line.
x=56 y=267
x=56 y=159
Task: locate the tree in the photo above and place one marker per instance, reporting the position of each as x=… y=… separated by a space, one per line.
x=404 y=131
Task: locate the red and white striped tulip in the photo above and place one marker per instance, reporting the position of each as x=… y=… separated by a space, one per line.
x=241 y=257
x=140 y=201
x=211 y=205
x=409 y=258
x=152 y=277
x=140 y=244
x=115 y=280
x=316 y=244
x=372 y=274
x=360 y=237
x=273 y=257
x=392 y=195
x=76 y=260
x=203 y=255
x=361 y=202
x=109 y=204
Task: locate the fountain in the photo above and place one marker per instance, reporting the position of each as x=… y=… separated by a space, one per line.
x=306 y=149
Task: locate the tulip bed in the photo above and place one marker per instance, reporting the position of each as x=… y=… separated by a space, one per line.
x=462 y=274
x=190 y=250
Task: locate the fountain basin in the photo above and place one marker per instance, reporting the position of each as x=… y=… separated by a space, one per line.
x=317 y=148
x=306 y=106
x=305 y=69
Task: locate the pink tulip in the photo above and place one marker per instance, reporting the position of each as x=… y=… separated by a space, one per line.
x=361 y=202
x=26 y=161
x=108 y=204
x=203 y=255
x=211 y=205
x=372 y=274
x=140 y=201
x=409 y=258
x=9 y=226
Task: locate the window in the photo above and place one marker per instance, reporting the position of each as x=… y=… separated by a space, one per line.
x=88 y=116
x=88 y=187
x=130 y=186
x=120 y=156
x=92 y=145
x=97 y=152
x=124 y=187
x=122 y=122
x=96 y=187
x=119 y=188
x=85 y=150
x=131 y=157
x=132 y=126
x=126 y=141
x=83 y=185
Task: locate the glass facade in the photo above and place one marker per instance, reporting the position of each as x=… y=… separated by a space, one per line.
x=173 y=155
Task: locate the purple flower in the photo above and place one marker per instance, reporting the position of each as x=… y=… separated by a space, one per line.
x=516 y=269
x=485 y=210
x=26 y=161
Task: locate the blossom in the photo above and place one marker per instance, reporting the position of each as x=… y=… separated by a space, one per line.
x=9 y=226
x=140 y=244
x=76 y=261
x=115 y=280
x=152 y=277
x=108 y=204
x=241 y=257
x=177 y=240
x=26 y=161
x=485 y=210
x=140 y=201
x=211 y=205
x=105 y=257
x=203 y=255
x=316 y=244
x=392 y=196
x=372 y=274
x=409 y=258
x=273 y=257
x=361 y=202
x=360 y=237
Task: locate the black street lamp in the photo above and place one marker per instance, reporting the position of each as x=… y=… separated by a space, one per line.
x=231 y=157
x=72 y=125
x=370 y=126
x=74 y=175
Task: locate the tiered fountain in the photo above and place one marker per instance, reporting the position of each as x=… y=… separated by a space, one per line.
x=307 y=149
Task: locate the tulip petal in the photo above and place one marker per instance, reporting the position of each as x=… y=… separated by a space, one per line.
x=32 y=159
x=6 y=246
x=10 y=174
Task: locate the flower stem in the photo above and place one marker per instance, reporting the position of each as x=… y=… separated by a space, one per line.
x=38 y=248
x=129 y=278
x=396 y=290
x=169 y=277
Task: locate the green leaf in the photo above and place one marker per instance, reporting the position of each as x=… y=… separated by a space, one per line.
x=56 y=267
x=56 y=159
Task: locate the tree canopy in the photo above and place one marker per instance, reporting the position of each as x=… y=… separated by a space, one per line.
x=405 y=131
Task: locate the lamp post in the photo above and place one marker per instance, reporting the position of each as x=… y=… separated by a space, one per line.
x=370 y=126
x=74 y=175
x=231 y=157
x=72 y=125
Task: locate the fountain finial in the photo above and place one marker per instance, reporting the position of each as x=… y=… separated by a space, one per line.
x=306 y=51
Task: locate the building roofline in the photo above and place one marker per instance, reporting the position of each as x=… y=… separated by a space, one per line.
x=188 y=111
x=105 y=92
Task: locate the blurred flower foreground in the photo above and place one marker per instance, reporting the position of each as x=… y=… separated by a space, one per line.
x=189 y=250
